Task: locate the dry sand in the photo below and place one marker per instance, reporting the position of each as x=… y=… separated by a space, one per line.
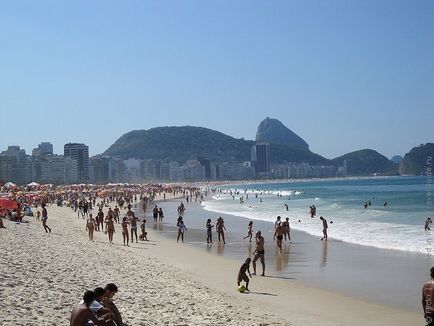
x=160 y=282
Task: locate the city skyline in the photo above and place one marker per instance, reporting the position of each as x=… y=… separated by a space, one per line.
x=342 y=75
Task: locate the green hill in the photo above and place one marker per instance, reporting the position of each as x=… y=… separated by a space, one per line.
x=187 y=142
x=415 y=162
x=367 y=161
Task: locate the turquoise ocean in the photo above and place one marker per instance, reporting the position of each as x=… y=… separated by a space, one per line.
x=399 y=225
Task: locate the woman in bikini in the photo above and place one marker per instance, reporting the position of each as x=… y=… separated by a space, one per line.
x=125 y=235
x=110 y=227
x=249 y=231
x=90 y=226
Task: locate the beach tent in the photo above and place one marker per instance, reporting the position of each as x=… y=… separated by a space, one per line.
x=6 y=203
x=10 y=185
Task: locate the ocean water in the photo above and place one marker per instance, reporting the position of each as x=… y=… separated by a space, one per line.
x=398 y=226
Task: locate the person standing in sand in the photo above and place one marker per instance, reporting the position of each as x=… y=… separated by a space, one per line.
x=249 y=231
x=427 y=299
x=181 y=228
x=143 y=236
x=259 y=253
x=90 y=226
x=133 y=221
x=324 y=228
x=209 y=231
x=44 y=219
x=220 y=226
x=125 y=235
x=110 y=226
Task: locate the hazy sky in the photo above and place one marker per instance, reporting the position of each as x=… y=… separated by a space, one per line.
x=344 y=75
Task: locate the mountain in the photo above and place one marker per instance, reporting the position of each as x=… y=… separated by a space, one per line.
x=274 y=131
x=185 y=143
x=396 y=159
x=366 y=161
x=416 y=161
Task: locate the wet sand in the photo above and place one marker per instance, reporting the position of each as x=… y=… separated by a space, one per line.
x=387 y=277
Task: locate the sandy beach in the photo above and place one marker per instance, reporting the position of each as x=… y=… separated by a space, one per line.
x=160 y=282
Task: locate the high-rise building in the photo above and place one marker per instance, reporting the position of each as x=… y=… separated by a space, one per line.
x=261 y=159
x=207 y=164
x=80 y=153
x=14 y=165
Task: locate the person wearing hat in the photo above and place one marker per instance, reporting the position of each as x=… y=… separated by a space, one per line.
x=259 y=253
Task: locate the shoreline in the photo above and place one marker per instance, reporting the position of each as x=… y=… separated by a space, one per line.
x=159 y=281
x=335 y=266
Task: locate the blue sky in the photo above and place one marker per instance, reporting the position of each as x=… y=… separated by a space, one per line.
x=344 y=75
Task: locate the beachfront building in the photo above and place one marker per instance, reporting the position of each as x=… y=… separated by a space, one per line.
x=260 y=157
x=236 y=171
x=13 y=165
x=133 y=170
x=80 y=153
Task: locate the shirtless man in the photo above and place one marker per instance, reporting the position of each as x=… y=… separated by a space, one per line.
x=116 y=212
x=427 y=299
x=278 y=233
x=81 y=313
x=324 y=228
x=242 y=276
x=259 y=253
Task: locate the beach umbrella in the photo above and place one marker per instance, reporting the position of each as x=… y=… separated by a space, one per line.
x=33 y=184
x=8 y=203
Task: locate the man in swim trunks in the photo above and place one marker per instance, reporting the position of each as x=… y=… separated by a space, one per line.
x=259 y=253
x=325 y=227
x=278 y=233
x=242 y=276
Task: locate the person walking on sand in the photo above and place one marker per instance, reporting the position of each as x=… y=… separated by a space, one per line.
x=286 y=229
x=220 y=226
x=427 y=299
x=324 y=228
x=44 y=219
x=209 y=231
x=242 y=276
x=90 y=226
x=278 y=234
x=259 y=253
x=181 y=229
x=125 y=235
x=249 y=231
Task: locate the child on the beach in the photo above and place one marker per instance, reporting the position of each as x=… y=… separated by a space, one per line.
x=143 y=236
x=242 y=276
